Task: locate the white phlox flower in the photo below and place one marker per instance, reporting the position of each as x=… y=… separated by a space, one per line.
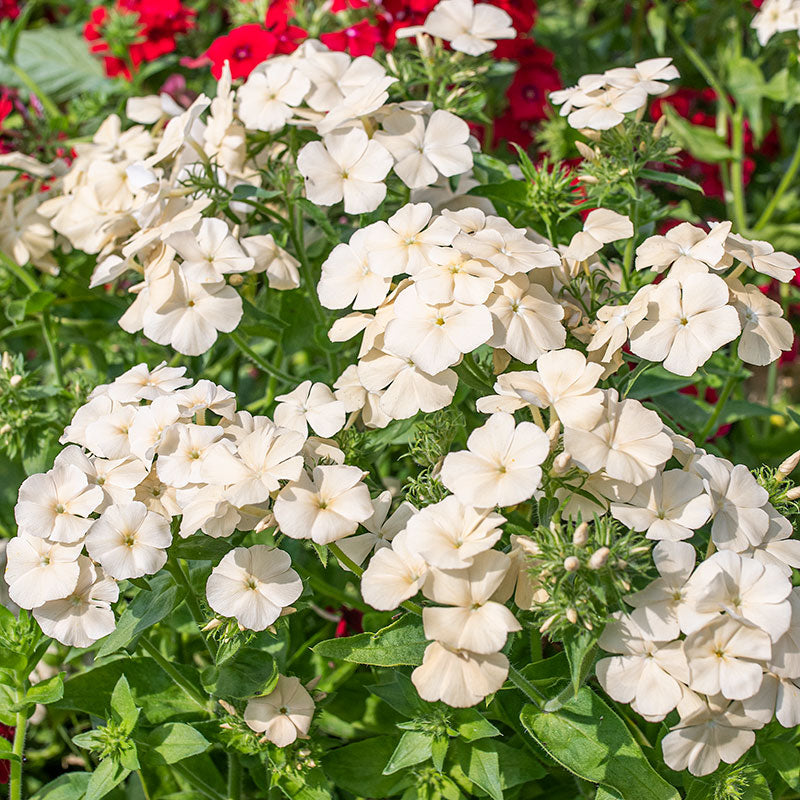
x=471 y=28
x=284 y=714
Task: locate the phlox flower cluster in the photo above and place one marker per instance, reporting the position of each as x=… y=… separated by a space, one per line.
x=599 y=102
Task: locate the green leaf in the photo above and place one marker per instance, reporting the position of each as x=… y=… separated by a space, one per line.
x=249 y=672
x=153 y=690
x=702 y=142
x=588 y=738
x=144 y=611
x=414 y=747
x=47 y=691
x=109 y=773
x=673 y=178
x=472 y=725
x=605 y=794
x=70 y=786
x=658 y=29
x=123 y=705
x=514 y=193
x=654 y=382
x=580 y=650
x=785 y=759
x=9 y=659
x=200 y=547
x=356 y=768
x=58 y=61
x=746 y=82
x=320 y=218
x=174 y=741
x=400 y=644
x=439 y=748
x=401 y=695
x=480 y=762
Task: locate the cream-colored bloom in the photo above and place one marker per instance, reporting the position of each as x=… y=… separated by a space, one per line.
x=450 y=534
x=685 y=249
x=394 y=574
x=457 y=677
x=628 y=442
x=280 y=266
x=435 y=337
x=38 y=571
x=129 y=541
x=777 y=547
x=85 y=615
x=451 y=275
x=311 y=405
x=604 y=108
x=726 y=657
x=743 y=589
x=284 y=714
x=710 y=732
x=501 y=466
x=686 y=322
x=210 y=252
x=672 y=505
x=776 y=16
x=269 y=95
x=656 y=606
x=564 y=382
x=649 y=75
x=765 y=333
x=55 y=504
x=762 y=256
x=381 y=528
x=526 y=319
x=471 y=28
x=254 y=585
x=348 y=278
x=740 y=517
x=423 y=151
x=600 y=227
x=142 y=383
x=646 y=671
x=325 y=507
x=346 y=166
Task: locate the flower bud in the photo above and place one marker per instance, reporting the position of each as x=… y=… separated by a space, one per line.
x=228 y=707
x=553 y=432
x=599 y=558
x=788 y=465
x=212 y=625
x=793 y=494
x=658 y=130
x=581 y=535
x=6 y=362
x=572 y=563
x=591 y=134
x=236 y=280
x=572 y=615
x=588 y=179
x=561 y=463
x=586 y=151
x=623 y=172
x=15 y=380
x=5 y=429
x=548 y=622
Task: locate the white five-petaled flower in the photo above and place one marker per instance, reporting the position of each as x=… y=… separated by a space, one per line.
x=394 y=574
x=501 y=465
x=129 y=541
x=284 y=714
x=347 y=166
x=55 y=505
x=210 y=253
x=325 y=507
x=686 y=322
x=269 y=94
x=311 y=405
x=253 y=584
x=470 y=28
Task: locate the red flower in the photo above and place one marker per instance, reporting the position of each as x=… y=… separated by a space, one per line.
x=343 y=5
x=349 y=622
x=533 y=82
x=402 y=14
x=244 y=47
x=7 y=732
x=358 y=40
x=9 y=9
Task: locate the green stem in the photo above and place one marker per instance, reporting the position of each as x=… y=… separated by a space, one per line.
x=296 y=235
x=259 y=361
x=52 y=350
x=234 y=777
x=175 y=568
x=18 y=749
x=18 y=272
x=176 y=676
x=30 y=84
x=711 y=425
x=526 y=687
x=737 y=171
x=357 y=570
x=786 y=182
x=196 y=782
x=700 y=63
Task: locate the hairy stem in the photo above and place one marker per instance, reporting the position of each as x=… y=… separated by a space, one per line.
x=711 y=425
x=786 y=182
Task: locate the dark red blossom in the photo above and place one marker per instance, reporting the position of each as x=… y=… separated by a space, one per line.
x=7 y=732
x=244 y=48
x=358 y=40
